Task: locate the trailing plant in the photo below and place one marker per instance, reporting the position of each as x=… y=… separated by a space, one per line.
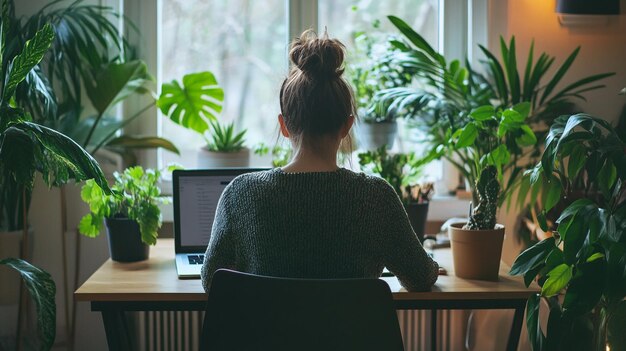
x=581 y=268
x=222 y=138
x=27 y=147
x=280 y=154
x=401 y=171
x=136 y=195
x=483 y=214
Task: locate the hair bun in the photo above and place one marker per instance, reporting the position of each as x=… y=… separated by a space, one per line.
x=317 y=57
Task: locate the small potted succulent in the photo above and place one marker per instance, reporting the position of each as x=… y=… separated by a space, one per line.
x=402 y=171
x=225 y=148
x=131 y=213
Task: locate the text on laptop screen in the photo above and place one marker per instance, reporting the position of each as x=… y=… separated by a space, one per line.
x=199 y=196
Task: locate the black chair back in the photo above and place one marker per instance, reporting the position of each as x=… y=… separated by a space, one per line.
x=250 y=312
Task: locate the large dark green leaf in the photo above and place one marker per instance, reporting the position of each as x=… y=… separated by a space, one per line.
x=194 y=104
x=558 y=278
x=585 y=288
x=416 y=39
x=31 y=55
x=42 y=290
x=535 y=335
x=532 y=257
x=29 y=146
x=115 y=82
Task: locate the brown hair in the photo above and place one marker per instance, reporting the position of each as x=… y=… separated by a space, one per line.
x=314 y=98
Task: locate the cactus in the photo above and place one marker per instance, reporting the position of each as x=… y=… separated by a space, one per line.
x=483 y=215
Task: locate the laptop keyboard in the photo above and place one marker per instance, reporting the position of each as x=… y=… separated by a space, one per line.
x=195 y=259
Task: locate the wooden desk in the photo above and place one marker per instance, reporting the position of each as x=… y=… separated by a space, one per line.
x=153 y=285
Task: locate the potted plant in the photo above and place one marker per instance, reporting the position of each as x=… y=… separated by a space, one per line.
x=131 y=214
x=225 y=148
x=402 y=171
x=371 y=69
x=483 y=146
x=442 y=93
x=581 y=268
x=27 y=147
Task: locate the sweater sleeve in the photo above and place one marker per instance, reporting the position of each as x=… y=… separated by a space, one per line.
x=222 y=249
x=403 y=254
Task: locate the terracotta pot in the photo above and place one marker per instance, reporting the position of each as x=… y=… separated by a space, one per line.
x=125 y=243
x=374 y=135
x=212 y=159
x=417 y=216
x=476 y=253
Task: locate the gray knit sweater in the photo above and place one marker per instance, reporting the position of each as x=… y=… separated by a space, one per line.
x=315 y=225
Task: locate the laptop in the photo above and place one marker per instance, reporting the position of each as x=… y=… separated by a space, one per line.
x=196 y=193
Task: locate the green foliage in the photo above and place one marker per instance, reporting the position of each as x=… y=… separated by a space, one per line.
x=483 y=214
x=280 y=154
x=27 y=147
x=195 y=103
x=222 y=138
x=585 y=260
x=399 y=170
x=136 y=196
x=42 y=290
x=442 y=95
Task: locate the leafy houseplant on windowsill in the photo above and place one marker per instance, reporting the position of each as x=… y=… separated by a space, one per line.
x=581 y=268
x=484 y=145
x=370 y=70
x=224 y=148
x=402 y=171
x=280 y=154
x=131 y=213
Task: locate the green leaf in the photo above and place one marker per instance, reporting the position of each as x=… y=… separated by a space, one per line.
x=553 y=195
x=149 y=223
x=535 y=335
x=42 y=290
x=32 y=53
x=90 y=225
x=416 y=39
x=115 y=82
x=483 y=113
x=541 y=218
x=615 y=330
x=131 y=142
x=574 y=238
x=576 y=161
x=575 y=207
x=512 y=116
x=559 y=74
x=528 y=138
x=532 y=257
x=523 y=108
x=607 y=177
x=468 y=136
x=558 y=278
x=585 y=288
x=595 y=256
x=26 y=146
x=194 y=104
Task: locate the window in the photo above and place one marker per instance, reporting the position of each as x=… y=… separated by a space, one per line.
x=243 y=42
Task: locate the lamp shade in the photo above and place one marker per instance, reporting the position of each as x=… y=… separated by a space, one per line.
x=588 y=7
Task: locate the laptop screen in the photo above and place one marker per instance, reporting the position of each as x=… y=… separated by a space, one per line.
x=196 y=194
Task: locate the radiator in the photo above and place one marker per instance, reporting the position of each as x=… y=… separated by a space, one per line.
x=180 y=331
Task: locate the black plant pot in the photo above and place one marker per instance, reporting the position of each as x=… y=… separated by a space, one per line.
x=417 y=213
x=125 y=243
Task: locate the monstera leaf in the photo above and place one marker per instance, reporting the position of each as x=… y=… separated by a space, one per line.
x=42 y=290
x=194 y=104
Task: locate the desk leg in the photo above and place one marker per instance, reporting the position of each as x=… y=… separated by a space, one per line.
x=116 y=329
x=433 y=330
x=516 y=327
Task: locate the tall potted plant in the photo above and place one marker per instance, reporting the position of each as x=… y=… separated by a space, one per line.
x=27 y=147
x=581 y=268
x=225 y=148
x=402 y=172
x=131 y=213
x=484 y=147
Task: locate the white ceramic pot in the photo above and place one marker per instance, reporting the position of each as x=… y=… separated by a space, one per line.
x=374 y=135
x=211 y=159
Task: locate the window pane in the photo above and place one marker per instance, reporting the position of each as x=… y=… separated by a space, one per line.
x=344 y=19
x=243 y=42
